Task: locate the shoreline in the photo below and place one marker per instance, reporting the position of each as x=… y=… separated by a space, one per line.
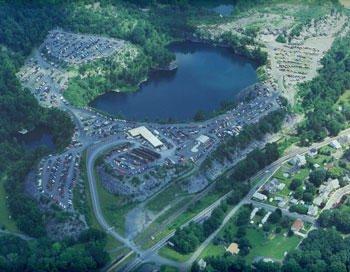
x=173 y=65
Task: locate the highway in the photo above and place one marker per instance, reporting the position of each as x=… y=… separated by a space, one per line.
x=151 y=254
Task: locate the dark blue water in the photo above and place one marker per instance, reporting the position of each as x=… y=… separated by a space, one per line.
x=224 y=10
x=37 y=138
x=206 y=76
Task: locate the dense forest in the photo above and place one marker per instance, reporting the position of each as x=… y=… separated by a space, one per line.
x=86 y=253
x=320 y=95
x=20 y=30
x=22 y=27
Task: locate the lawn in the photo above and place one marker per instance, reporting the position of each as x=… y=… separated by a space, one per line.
x=326 y=149
x=212 y=250
x=157 y=229
x=274 y=246
x=194 y=209
x=345 y=97
x=113 y=207
x=270 y=245
x=279 y=174
x=167 y=268
x=320 y=159
x=5 y=222
x=171 y=254
x=302 y=174
x=285 y=143
x=164 y=198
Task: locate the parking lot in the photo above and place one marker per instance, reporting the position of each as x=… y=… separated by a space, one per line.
x=140 y=169
x=137 y=169
x=57 y=175
x=71 y=48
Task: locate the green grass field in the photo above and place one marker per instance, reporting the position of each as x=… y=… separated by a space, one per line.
x=163 y=199
x=157 y=230
x=200 y=205
x=166 y=268
x=212 y=251
x=274 y=246
x=171 y=254
x=302 y=174
x=113 y=207
x=269 y=245
x=5 y=222
x=87 y=210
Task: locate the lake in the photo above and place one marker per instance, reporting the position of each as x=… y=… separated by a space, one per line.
x=36 y=138
x=224 y=10
x=206 y=76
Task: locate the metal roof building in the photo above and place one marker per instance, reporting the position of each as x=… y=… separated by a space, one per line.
x=147 y=135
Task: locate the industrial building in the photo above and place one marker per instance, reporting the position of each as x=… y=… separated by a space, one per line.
x=147 y=135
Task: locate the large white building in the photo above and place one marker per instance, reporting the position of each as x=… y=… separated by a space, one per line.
x=147 y=135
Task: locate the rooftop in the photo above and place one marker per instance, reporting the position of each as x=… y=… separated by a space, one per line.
x=233 y=248
x=146 y=134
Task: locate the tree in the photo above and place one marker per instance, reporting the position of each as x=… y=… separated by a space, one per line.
x=138 y=35
x=307 y=197
x=281 y=39
x=262 y=266
x=317 y=177
x=322 y=250
x=199 y=116
x=298 y=194
x=241 y=231
x=244 y=246
x=276 y=216
x=299 y=208
x=295 y=184
x=243 y=216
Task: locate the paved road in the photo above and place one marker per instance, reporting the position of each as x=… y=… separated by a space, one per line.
x=91 y=156
x=150 y=254
x=22 y=236
x=270 y=171
x=263 y=175
x=336 y=197
x=268 y=207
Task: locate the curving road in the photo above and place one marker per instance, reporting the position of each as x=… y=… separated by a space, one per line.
x=337 y=196
x=151 y=254
x=91 y=156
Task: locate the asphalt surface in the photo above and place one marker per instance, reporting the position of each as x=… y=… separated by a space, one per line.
x=96 y=147
x=264 y=176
